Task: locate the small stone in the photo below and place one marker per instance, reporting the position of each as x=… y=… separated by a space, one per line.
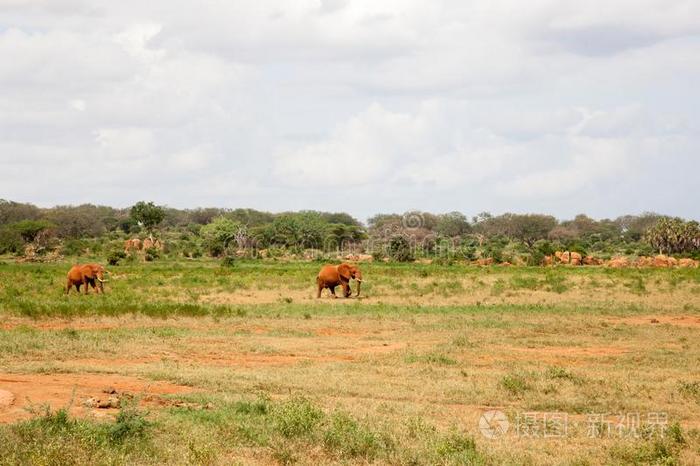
x=654 y=321
x=91 y=402
x=113 y=402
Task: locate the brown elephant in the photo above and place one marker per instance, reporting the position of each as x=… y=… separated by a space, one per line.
x=86 y=274
x=331 y=276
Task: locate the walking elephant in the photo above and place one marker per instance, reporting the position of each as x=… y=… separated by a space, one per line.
x=331 y=276
x=86 y=274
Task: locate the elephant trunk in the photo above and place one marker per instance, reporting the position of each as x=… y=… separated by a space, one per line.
x=359 y=283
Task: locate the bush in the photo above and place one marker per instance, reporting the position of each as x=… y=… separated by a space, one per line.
x=130 y=423
x=456 y=448
x=10 y=241
x=74 y=247
x=114 y=256
x=228 y=261
x=296 y=417
x=400 y=249
x=347 y=438
x=152 y=254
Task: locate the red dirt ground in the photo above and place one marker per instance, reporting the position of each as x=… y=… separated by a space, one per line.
x=20 y=392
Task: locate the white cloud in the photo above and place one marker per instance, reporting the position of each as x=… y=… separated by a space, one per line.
x=449 y=105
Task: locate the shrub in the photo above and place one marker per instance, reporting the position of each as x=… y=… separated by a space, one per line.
x=228 y=261
x=74 y=247
x=296 y=417
x=152 y=254
x=515 y=384
x=114 y=256
x=130 y=423
x=400 y=249
x=10 y=241
x=347 y=438
x=459 y=449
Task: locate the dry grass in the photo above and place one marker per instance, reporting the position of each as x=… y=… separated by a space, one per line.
x=401 y=376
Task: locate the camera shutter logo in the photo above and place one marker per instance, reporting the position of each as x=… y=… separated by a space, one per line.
x=493 y=424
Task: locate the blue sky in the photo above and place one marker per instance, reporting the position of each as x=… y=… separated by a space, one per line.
x=558 y=107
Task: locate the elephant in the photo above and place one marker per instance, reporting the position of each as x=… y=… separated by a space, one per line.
x=86 y=274
x=331 y=276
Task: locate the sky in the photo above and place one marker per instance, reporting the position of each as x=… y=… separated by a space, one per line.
x=558 y=107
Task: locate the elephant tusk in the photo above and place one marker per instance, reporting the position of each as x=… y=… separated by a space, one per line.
x=358 y=280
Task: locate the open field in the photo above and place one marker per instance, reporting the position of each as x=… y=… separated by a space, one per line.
x=215 y=365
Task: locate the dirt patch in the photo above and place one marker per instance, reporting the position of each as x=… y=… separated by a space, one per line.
x=681 y=321
x=7 y=399
x=32 y=391
x=561 y=354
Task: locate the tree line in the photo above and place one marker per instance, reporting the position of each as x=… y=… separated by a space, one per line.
x=448 y=236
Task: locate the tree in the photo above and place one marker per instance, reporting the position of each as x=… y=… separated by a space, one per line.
x=673 y=235
x=11 y=212
x=452 y=224
x=148 y=215
x=532 y=227
x=527 y=228
x=218 y=234
x=29 y=229
x=400 y=249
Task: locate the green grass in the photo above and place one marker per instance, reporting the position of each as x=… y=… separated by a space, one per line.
x=397 y=377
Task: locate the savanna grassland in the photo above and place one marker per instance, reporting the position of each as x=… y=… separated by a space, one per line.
x=214 y=365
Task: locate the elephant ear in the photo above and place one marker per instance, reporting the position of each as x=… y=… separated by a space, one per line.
x=345 y=272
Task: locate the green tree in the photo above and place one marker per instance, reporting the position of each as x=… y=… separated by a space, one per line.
x=29 y=229
x=452 y=224
x=400 y=249
x=218 y=234
x=148 y=215
x=673 y=235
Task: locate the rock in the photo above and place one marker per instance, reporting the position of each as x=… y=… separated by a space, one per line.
x=91 y=402
x=661 y=261
x=110 y=390
x=557 y=255
x=132 y=245
x=506 y=264
x=654 y=321
x=644 y=261
x=686 y=262
x=484 y=261
x=547 y=260
x=590 y=260
x=618 y=262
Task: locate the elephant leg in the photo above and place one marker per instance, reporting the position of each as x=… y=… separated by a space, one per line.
x=346 y=289
x=87 y=286
x=69 y=285
x=332 y=288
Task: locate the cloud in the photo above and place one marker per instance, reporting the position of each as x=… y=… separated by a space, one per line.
x=485 y=105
